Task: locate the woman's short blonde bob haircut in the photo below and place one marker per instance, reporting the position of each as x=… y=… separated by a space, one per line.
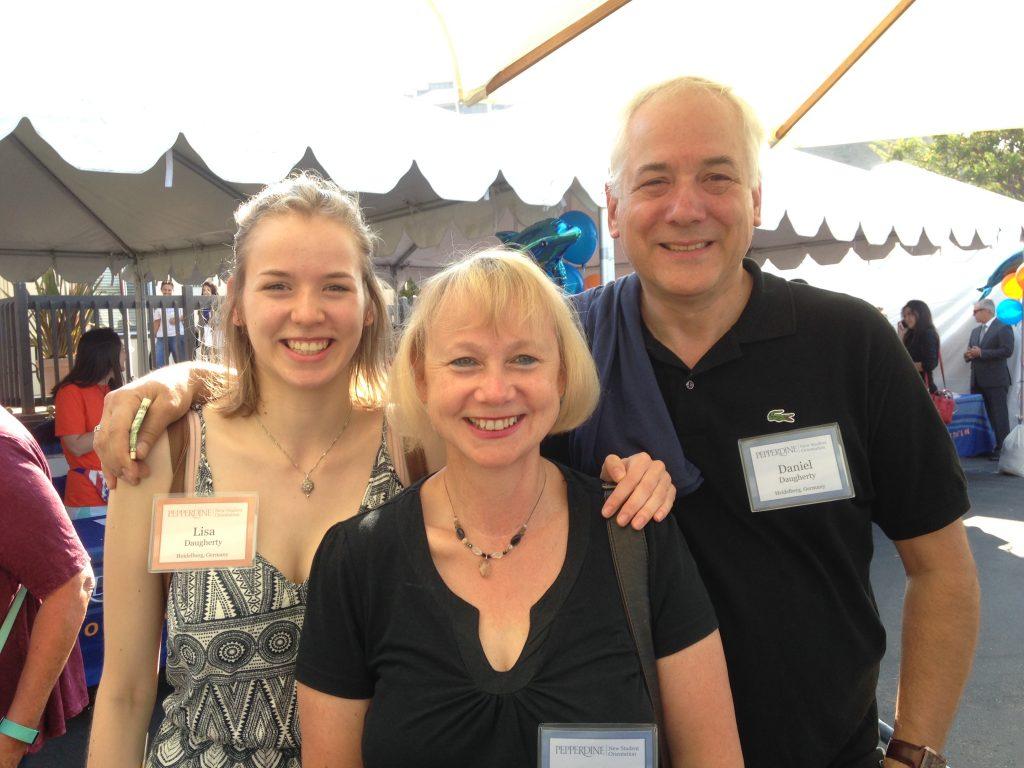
x=504 y=286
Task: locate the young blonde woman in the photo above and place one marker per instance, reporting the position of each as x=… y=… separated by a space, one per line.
x=304 y=324
x=301 y=426
x=446 y=625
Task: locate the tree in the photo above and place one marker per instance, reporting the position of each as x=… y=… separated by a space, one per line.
x=993 y=160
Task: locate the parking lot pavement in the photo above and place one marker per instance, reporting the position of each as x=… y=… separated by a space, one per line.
x=989 y=730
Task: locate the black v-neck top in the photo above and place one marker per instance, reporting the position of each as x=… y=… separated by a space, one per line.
x=382 y=624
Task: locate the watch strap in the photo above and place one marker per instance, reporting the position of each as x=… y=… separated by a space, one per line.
x=18 y=732
x=914 y=755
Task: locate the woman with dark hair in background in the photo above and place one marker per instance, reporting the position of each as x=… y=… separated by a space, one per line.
x=78 y=400
x=206 y=333
x=921 y=339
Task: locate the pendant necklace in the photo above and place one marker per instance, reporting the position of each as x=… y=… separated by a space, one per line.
x=308 y=486
x=460 y=532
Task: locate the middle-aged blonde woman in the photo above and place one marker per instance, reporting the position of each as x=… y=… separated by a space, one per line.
x=446 y=625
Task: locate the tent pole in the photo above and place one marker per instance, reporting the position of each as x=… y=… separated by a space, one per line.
x=398 y=263
x=209 y=177
x=606 y=245
x=549 y=46
x=842 y=69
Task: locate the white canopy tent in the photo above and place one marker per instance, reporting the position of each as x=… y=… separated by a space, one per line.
x=947 y=280
x=330 y=74
x=146 y=124
x=186 y=109
x=174 y=217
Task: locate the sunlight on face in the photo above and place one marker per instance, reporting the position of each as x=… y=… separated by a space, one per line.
x=491 y=393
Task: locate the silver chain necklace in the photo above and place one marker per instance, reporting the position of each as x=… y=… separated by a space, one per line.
x=460 y=532
x=308 y=486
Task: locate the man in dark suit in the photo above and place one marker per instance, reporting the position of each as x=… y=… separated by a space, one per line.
x=990 y=346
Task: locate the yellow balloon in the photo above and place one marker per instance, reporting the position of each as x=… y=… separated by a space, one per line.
x=1012 y=288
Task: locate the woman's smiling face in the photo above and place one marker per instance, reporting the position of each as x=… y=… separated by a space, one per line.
x=491 y=393
x=303 y=305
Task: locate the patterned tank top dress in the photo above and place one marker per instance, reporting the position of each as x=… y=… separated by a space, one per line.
x=232 y=638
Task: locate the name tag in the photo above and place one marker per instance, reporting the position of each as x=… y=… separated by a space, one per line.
x=193 y=532
x=794 y=468
x=612 y=745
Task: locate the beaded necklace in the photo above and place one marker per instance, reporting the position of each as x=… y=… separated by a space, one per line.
x=460 y=532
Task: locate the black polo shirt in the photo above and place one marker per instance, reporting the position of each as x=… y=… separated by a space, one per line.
x=799 y=623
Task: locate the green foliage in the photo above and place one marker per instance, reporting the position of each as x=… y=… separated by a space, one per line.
x=52 y=329
x=409 y=289
x=993 y=160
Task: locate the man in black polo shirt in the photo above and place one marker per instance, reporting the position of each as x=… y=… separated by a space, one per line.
x=803 y=421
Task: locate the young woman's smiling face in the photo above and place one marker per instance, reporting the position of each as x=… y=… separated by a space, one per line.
x=303 y=306
x=492 y=394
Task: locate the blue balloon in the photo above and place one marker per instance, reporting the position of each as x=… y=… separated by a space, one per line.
x=579 y=253
x=574 y=280
x=1010 y=311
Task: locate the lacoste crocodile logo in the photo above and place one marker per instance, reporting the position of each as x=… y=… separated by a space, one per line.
x=779 y=416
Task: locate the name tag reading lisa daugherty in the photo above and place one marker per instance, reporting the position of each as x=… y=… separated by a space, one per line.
x=795 y=468
x=196 y=532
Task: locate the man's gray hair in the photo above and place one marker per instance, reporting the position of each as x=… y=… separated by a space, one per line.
x=986 y=304
x=753 y=132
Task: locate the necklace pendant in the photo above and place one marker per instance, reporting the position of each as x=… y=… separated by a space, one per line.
x=485 y=567
x=307 y=486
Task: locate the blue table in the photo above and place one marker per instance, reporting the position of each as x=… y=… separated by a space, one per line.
x=90 y=523
x=971 y=432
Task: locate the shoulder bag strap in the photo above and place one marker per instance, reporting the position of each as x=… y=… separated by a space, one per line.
x=629 y=556
x=12 y=614
x=408 y=457
x=180 y=434
x=416 y=463
x=178 y=437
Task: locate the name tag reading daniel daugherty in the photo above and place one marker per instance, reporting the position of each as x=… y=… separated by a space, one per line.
x=795 y=468
x=195 y=532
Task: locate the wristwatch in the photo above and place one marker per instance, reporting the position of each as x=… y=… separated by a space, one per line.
x=18 y=732
x=913 y=755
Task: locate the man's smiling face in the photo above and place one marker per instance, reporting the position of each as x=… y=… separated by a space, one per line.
x=687 y=204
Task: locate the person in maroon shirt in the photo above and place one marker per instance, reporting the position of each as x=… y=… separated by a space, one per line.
x=41 y=685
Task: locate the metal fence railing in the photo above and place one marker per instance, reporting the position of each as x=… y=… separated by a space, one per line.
x=38 y=335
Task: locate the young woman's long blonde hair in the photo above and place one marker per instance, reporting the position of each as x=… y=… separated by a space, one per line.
x=305 y=194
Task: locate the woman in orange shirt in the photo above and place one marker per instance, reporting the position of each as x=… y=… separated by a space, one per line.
x=78 y=399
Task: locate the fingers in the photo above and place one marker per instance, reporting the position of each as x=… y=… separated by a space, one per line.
x=112 y=440
x=666 y=507
x=644 y=491
x=646 y=512
x=613 y=469
x=627 y=498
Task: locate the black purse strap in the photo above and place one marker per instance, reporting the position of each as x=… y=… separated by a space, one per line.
x=629 y=556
